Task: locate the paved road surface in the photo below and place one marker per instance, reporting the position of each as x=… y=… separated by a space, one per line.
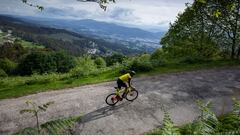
x=177 y=91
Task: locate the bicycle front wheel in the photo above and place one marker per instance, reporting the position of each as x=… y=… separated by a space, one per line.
x=132 y=95
x=111 y=99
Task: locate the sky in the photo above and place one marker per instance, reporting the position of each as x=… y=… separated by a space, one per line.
x=152 y=15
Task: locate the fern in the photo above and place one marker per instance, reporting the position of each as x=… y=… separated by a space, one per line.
x=208 y=121
x=168 y=125
x=27 y=131
x=56 y=127
x=59 y=126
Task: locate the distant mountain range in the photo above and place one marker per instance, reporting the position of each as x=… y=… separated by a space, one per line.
x=133 y=38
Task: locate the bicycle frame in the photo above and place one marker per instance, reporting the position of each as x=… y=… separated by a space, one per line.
x=122 y=90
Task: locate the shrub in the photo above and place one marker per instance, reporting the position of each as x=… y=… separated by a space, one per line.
x=64 y=62
x=37 y=62
x=115 y=58
x=191 y=60
x=142 y=63
x=158 y=58
x=100 y=62
x=8 y=66
x=85 y=66
x=3 y=73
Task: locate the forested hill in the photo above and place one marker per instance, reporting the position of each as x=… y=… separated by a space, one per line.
x=60 y=39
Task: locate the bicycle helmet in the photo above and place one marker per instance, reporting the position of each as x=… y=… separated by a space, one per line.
x=132 y=73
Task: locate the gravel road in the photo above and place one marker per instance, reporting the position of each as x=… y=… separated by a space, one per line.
x=176 y=91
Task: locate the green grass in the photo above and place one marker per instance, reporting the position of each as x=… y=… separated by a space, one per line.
x=27 y=44
x=12 y=87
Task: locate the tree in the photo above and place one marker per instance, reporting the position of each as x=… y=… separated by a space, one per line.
x=7 y=66
x=100 y=62
x=225 y=16
x=206 y=24
x=37 y=62
x=64 y=62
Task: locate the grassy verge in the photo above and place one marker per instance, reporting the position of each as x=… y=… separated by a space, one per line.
x=20 y=86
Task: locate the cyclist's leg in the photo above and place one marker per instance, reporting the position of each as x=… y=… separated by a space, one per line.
x=124 y=93
x=120 y=84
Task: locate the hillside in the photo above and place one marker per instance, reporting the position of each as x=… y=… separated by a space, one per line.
x=114 y=33
x=60 y=39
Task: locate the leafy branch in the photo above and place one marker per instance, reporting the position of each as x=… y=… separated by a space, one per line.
x=35 y=110
x=33 y=5
x=102 y=3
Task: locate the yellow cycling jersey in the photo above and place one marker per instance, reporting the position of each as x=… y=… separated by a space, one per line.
x=125 y=77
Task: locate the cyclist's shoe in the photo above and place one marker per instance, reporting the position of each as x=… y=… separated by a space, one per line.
x=119 y=98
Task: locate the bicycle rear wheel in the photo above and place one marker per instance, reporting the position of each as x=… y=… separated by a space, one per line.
x=111 y=99
x=132 y=95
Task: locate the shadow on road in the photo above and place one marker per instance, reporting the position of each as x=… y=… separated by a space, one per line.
x=102 y=112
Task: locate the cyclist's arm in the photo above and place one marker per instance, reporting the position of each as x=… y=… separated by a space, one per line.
x=129 y=82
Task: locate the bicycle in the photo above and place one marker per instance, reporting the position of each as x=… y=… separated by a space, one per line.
x=129 y=94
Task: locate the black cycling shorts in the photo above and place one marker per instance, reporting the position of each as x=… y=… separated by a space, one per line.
x=121 y=84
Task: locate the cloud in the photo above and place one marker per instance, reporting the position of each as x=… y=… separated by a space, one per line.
x=66 y=12
x=139 y=13
x=119 y=14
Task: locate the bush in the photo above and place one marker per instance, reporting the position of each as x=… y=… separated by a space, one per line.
x=191 y=60
x=3 y=73
x=42 y=79
x=64 y=62
x=46 y=62
x=8 y=66
x=100 y=62
x=139 y=64
x=158 y=58
x=85 y=66
x=37 y=62
x=113 y=59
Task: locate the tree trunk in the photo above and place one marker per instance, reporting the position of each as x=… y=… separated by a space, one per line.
x=233 y=47
x=236 y=35
x=238 y=52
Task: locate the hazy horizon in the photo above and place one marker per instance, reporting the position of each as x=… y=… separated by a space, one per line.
x=151 y=15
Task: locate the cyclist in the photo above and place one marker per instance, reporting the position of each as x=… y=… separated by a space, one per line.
x=123 y=81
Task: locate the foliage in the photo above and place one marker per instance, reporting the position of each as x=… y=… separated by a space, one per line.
x=32 y=5
x=206 y=124
x=113 y=59
x=16 y=86
x=12 y=51
x=206 y=28
x=158 y=57
x=56 y=127
x=8 y=66
x=168 y=125
x=102 y=3
x=60 y=39
x=37 y=62
x=85 y=66
x=46 y=62
x=64 y=62
x=35 y=110
x=42 y=79
x=100 y=62
x=141 y=63
x=3 y=73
